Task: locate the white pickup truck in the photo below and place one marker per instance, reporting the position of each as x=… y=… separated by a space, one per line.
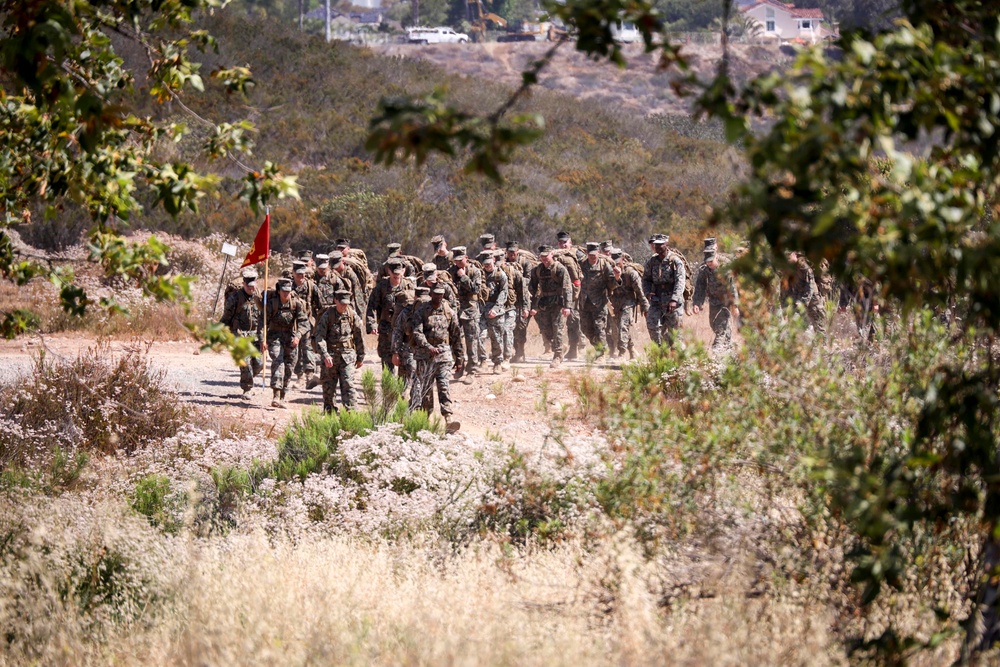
x=435 y=36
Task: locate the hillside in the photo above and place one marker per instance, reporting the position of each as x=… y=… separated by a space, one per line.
x=602 y=170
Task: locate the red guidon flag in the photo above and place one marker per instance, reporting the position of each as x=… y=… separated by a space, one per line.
x=261 y=248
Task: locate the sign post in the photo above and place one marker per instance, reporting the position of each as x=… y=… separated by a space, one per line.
x=229 y=250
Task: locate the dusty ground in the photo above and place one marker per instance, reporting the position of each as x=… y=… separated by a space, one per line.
x=642 y=86
x=516 y=404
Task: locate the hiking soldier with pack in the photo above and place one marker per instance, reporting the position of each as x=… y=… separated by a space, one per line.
x=286 y=325
x=722 y=295
x=524 y=262
x=467 y=279
x=402 y=334
x=442 y=256
x=551 y=300
x=497 y=313
x=433 y=277
x=242 y=314
x=799 y=287
x=350 y=280
x=305 y=357
x=437 y=346
x=341 y=346
x=572 y=258
x=626 y=295
x=663 y=286
x=381 y=308
x=597 y=284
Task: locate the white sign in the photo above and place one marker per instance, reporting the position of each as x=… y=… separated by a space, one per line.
x=228 y=249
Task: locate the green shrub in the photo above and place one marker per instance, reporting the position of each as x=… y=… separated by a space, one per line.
x=155 y=499
x=306 y=446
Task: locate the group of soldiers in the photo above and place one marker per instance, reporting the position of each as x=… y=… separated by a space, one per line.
x=454 y=314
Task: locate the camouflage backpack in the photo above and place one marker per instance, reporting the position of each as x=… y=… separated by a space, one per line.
x=567 y=257
x=688 y=281
x=511 y=274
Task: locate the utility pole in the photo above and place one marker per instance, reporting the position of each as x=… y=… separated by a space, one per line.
x=329 y=36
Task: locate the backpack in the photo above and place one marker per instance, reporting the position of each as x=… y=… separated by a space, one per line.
x=688 y=282
x=567 y=257
x=639 y=268
x=511 y=292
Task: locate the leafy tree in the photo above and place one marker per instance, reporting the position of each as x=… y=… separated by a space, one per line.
x=67 y=134
x=836 y=177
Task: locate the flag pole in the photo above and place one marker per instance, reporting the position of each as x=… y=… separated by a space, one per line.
x=263 y=342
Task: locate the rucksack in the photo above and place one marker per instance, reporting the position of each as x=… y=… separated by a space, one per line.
x=639 y=268
x=511 y=292
x=567 y=257
x=688 y=282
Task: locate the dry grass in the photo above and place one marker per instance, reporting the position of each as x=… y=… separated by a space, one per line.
x=250 y=599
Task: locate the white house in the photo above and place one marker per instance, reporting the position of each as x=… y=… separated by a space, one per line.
x=788 y=22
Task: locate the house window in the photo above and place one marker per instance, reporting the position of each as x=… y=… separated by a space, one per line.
x=805 y=25
x=769 y=19
x=769 y=25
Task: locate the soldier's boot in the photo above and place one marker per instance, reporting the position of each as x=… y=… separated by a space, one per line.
x=496 y=367
x=248 y=392
x=571 y=355
x=556 y=362
x=505 y=365
x=329 y=407
x=277 y=402
x=312 y=381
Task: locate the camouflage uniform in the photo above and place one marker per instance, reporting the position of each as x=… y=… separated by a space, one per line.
x=285 y=321
x=663 y=282
x=305 y=357
x=354 y=286
x=435 y=328
x=468 y=314
x=379 y=315
x=597 y=284
x=573 y=328
x=551 y=291
x=800 y=288
x=496 y=303
x=525 y=263
x=339 y=338
x=402 y=338
x=626 y=296
x=441 y=262
x=324 y=293
x=722 y=298
x=242 y=315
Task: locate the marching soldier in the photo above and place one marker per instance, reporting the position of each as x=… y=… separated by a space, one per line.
x=663 y=286
x=722 y=297
x=305 y=358
x=552 y=299
x=342 y=348
x=442 y=256
x=467 y=280
x=286 y=325
x=381 y=307
x=597 y=284
x=624 y=299
x=437 y=346
x=525 y=262
x=572 y=259
x=496 y=311
x=242 y=314
x=402 y=334
x=799 y=288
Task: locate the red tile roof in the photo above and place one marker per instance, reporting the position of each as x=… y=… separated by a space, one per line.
x=789 y=7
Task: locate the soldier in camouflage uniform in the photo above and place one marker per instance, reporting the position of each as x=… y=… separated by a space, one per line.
x=522 y=307
x=433 y=277
x=356 y=262
x=626 y=296
x=306 y=257
x=350 y=279
x=663 y=286
x=496 y=313
x=442 y=256
x=342 y=348
x=799 y=288
x=573 y=327
x=437 y=346
x=305 y=358
x=242 y=315
x=286 y=325
x=467 y=280
x=722 y=297
x=402 y=334
x=381 y=308
x=597 y=284
x=551 y=300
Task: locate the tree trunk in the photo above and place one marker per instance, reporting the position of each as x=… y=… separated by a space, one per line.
x=329 y=35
